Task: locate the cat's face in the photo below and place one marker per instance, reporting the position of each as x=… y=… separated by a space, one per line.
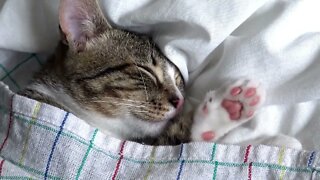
x=117 y=73
x=125 y=75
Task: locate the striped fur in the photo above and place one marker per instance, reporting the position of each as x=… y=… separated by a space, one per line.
x=115 y=80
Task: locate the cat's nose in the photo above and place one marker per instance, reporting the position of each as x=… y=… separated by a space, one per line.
x=176 y=102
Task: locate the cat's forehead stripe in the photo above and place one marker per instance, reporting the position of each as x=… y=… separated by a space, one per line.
x=159 y=72
x=171 y=72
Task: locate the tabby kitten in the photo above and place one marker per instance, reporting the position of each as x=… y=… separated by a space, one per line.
x=115 y=80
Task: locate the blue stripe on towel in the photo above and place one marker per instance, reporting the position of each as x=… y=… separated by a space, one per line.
x=54 y=145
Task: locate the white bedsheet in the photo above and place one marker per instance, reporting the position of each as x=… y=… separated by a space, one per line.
x=276 y=42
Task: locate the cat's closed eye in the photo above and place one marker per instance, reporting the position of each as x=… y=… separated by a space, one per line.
x=150 y=73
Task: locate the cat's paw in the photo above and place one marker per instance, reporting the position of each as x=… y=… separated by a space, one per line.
x=242 y=98
x=225 y=109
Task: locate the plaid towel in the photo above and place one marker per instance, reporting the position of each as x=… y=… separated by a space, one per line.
x=40 y=141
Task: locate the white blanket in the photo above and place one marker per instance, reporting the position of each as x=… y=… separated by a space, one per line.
x=276 y=42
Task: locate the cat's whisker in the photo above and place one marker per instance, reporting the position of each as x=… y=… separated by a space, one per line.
x=125 y=104
x=126 y=99
x=142 y=111
x=128 y=113
x=131 y=102
x=128 y=104
x=119 y=103
x=120 y=99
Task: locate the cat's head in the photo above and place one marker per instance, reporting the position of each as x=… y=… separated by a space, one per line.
x=115 y=72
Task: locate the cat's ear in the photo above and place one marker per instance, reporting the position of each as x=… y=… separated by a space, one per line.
x=80 y=21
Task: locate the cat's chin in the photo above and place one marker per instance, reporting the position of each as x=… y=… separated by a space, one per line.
x=172 y=113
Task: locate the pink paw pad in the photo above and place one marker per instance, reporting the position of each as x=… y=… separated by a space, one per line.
x=233 y=108
x=242 y=99
x=255 y=100
x=208 y=135
x=235 y=91
x=250 y=92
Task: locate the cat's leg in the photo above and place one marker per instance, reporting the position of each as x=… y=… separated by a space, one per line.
x=226 y=109
x=177 y=132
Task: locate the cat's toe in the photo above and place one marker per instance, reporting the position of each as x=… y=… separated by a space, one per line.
x=208 y=136
x=253 y=98
x=243 y=98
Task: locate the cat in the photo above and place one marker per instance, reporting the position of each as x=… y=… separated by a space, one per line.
x=113 y=79
x=121 y=83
